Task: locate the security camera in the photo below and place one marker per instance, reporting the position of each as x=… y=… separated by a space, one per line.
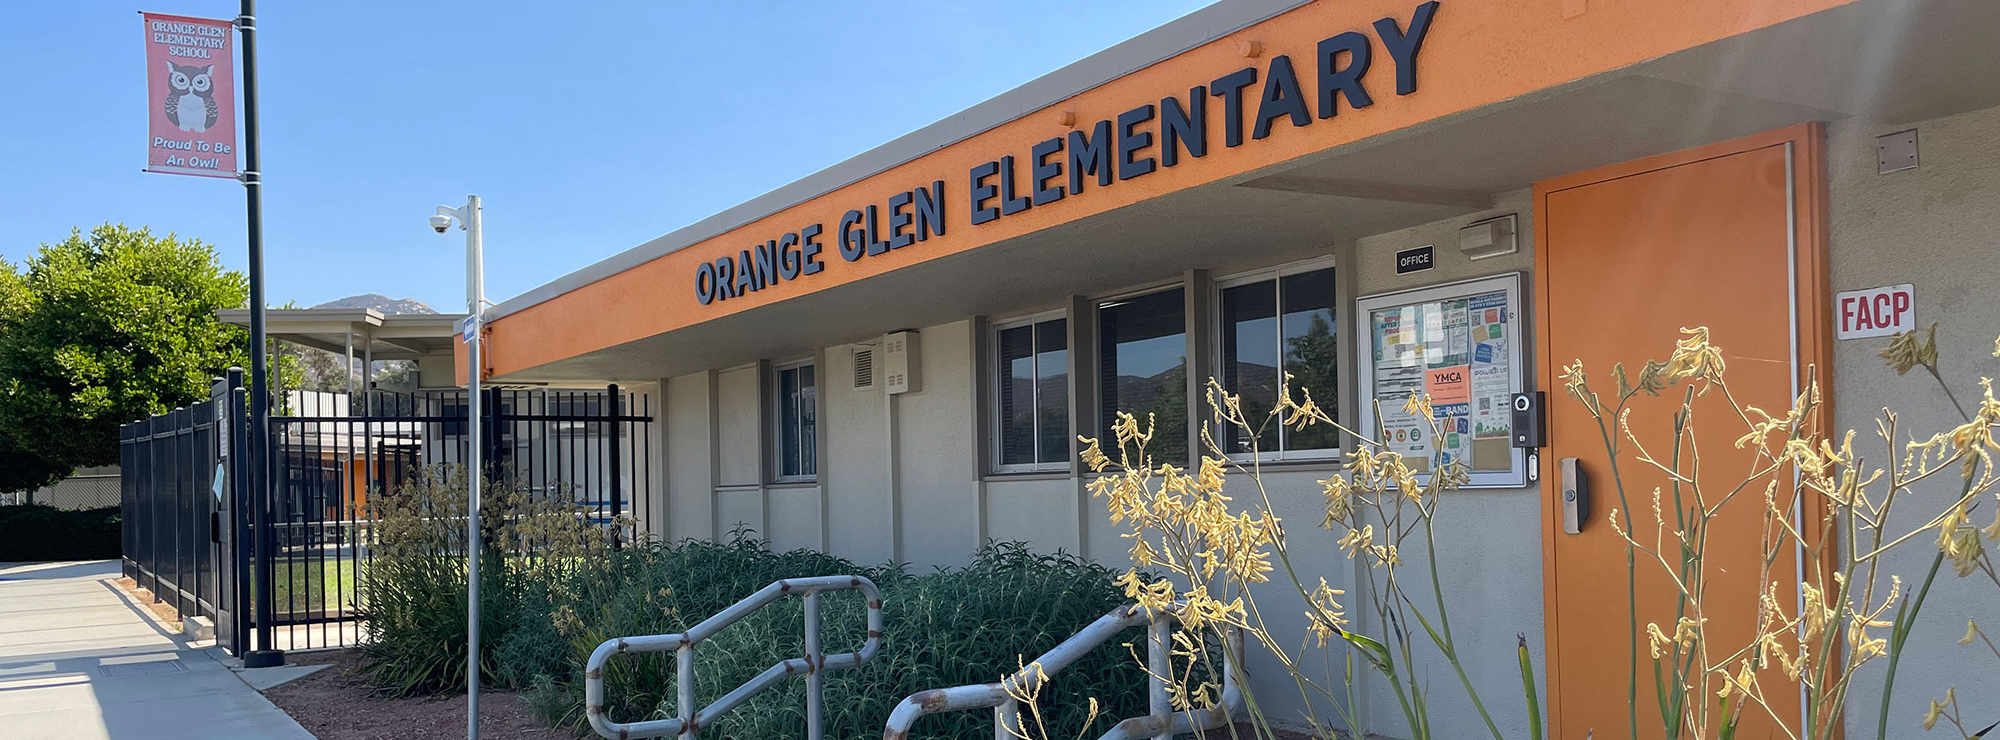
x=440 y=222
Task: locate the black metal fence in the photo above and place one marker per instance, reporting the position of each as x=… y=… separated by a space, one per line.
x=170 y=493
x=334 y=458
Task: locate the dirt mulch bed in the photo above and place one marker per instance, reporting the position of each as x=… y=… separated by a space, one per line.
x=338 y=704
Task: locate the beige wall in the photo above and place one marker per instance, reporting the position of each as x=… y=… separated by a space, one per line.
x=1490 y=546
x=1937 y=228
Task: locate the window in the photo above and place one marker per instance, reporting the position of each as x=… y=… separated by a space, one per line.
x=1032 y=394
x=1142 y=356
x=796 y=419
x=1274 y=324
x=577 y=414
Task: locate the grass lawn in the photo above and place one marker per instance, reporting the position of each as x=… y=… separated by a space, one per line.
x=315 y=586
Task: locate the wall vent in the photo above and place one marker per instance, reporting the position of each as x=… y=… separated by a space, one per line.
x=899 y=363
x=864 y=368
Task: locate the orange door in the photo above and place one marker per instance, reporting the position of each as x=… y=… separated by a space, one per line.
x=1625 y=257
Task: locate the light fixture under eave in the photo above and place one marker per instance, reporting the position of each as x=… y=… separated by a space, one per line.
x=1489 y=238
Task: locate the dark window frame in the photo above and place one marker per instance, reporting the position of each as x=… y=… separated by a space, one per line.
x=805 y=407
x=998 y=428
x=1166 y=437
x=1280 y=452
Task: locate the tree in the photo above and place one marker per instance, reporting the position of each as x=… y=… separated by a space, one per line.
x=20 y=469
x=399 y=376
x=100 y=330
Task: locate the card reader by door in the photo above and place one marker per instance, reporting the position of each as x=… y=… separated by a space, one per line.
x=1575 y=495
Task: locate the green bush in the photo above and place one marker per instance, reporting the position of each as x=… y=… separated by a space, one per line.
x=34 y=532
x=553 y=589
x=414 y=606
x=943 y=628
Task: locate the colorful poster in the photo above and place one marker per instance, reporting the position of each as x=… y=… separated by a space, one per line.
x=1458 y=351
x=1397 y=341
x=1491 y=416
x=1408 y=436
x=1449 y=385
x=1451 y=343
x=190 y=96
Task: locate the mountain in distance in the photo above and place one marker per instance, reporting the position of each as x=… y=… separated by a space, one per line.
x=380 y=303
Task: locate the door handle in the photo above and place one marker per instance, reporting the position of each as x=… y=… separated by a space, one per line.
x=1575 y=495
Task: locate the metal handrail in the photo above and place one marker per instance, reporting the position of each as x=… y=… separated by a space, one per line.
x=1160 y=721
x=813 y=665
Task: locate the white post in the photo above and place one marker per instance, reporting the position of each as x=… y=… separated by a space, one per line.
x=347 y=366
x=475 y=304
x=475 y=300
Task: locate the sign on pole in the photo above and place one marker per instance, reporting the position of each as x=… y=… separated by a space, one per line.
x=190 y=96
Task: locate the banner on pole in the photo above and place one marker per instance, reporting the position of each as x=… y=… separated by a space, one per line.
x=190 y=96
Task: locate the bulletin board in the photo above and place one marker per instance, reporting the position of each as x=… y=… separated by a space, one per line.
x=1463 y=344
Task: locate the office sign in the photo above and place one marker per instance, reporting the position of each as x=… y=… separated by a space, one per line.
x=1416 y=260
x=190 y=96
x=1875 y=312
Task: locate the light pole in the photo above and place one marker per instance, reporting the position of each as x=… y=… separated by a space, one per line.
x=467 y=217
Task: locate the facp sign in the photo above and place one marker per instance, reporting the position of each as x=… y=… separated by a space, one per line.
x=1875 y=312
x=191 y=96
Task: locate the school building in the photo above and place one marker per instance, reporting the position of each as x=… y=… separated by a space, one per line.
x=891 y=359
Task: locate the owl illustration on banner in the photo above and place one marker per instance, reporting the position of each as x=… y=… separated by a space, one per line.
x=190 y=97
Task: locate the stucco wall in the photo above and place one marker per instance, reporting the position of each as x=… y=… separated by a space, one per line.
x=1489 y=540
x=1938 y=228
x=859 y=493
x=689 y=454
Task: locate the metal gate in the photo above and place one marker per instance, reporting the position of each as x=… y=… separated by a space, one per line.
x=190 y=539
x=174 y=496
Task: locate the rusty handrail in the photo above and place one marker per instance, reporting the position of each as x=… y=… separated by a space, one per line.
x=814 y=664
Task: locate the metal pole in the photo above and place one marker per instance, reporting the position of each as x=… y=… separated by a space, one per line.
x=815 y=669
x=239 y=533
x=347 y=369
x=1159 y=665
x=475 y=300
x=260 y=387
x=613 y=408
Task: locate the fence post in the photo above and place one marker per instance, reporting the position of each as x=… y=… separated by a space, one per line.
x=262 y=468
x=240 y=543
x=489 y=437
x=613 y=409
x=153 y=517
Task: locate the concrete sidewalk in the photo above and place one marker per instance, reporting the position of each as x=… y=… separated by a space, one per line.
x=81 y=660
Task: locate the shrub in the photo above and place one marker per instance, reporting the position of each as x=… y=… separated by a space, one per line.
x=34 y=532
x=415 y=608
x=553 y=588
x=943 y=628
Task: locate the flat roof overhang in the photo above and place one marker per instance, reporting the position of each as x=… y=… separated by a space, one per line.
x=386 y=336
x=1883 y=60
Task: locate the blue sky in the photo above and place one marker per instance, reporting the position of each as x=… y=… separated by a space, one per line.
x=585 y=133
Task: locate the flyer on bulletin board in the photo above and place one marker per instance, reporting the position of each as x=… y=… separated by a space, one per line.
x=1457 y=351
